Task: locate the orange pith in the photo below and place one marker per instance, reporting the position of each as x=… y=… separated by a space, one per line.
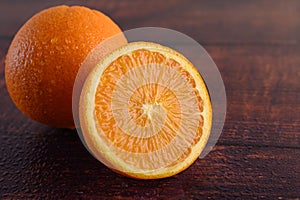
x=150 y=114
x=157 y=96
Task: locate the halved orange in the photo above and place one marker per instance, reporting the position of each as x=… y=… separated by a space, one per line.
x=145 y=111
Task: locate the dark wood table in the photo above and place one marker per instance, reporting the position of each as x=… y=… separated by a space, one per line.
x=255 y=45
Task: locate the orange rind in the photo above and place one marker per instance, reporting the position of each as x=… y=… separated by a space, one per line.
x=145 y=111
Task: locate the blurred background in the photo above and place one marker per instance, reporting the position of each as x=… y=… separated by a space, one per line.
x=209 y=22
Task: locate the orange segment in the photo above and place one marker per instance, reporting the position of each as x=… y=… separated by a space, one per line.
x=145 y=111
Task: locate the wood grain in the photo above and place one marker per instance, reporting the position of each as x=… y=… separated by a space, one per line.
x=53 y=164
x=263 y=93
x=255 y=45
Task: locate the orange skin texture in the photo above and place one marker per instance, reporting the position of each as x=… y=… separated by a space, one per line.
x=44 y=57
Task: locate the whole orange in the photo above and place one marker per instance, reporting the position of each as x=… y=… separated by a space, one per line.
x=44 y=57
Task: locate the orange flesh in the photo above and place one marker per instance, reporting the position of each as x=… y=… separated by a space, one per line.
x=145 y=98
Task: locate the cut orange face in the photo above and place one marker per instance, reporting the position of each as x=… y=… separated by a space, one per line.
x=145 y=111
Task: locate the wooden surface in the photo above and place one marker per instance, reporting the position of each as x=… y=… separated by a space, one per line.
x=256 y=46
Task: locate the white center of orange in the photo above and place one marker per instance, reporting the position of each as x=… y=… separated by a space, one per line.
x=152 y=110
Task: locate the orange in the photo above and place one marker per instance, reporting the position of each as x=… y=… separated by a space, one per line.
x=45 y=55
x=145 y=111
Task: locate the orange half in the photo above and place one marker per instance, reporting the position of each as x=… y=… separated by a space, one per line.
x=145 y=111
